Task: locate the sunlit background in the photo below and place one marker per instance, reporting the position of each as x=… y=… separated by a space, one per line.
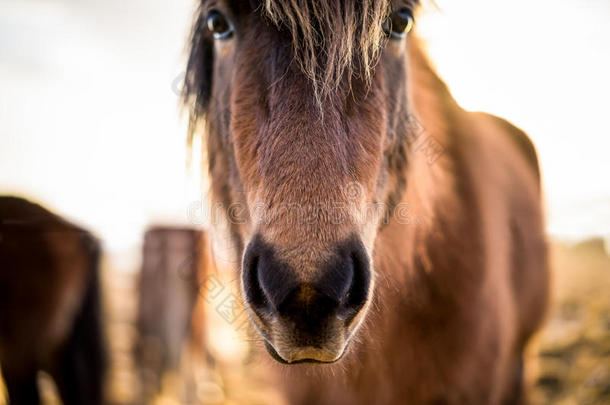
x=90 y=126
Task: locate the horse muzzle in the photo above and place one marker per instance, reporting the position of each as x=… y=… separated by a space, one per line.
x=307 y=318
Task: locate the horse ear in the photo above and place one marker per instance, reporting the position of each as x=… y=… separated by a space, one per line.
x=197 y=88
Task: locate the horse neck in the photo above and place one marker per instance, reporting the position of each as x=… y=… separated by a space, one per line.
x=408 y=250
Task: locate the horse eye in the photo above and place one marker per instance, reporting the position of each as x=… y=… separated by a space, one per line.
x=219 y=25
x=399 y=23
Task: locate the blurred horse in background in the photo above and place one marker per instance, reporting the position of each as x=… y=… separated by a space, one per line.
x=391 y=244
x=50 y=305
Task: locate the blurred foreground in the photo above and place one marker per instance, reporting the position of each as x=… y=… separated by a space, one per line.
x=571 y=359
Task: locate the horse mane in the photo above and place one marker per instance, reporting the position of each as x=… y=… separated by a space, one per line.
x=329 y=37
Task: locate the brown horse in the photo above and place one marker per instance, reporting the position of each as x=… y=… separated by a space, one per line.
x=50 y=316
x=379 y=226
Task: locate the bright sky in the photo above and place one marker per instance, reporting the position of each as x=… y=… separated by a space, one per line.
x=544 y=65
x=89 y=123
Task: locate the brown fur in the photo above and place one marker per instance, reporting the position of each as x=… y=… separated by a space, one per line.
x=459 y=287
x=50 y=317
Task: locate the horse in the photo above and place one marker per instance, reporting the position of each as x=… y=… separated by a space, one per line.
x=50 y=305
x=390 y=245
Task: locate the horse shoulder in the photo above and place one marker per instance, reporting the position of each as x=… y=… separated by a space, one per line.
x=518 y=186
x=517 y=137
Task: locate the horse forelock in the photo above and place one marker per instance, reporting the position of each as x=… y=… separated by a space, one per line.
x=329 y=37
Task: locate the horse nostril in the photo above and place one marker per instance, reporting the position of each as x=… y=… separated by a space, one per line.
x=266 y=280
x=358 y=291
x=254 y=294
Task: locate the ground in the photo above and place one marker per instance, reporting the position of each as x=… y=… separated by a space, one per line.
x=570 y=359
x=574 y=352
